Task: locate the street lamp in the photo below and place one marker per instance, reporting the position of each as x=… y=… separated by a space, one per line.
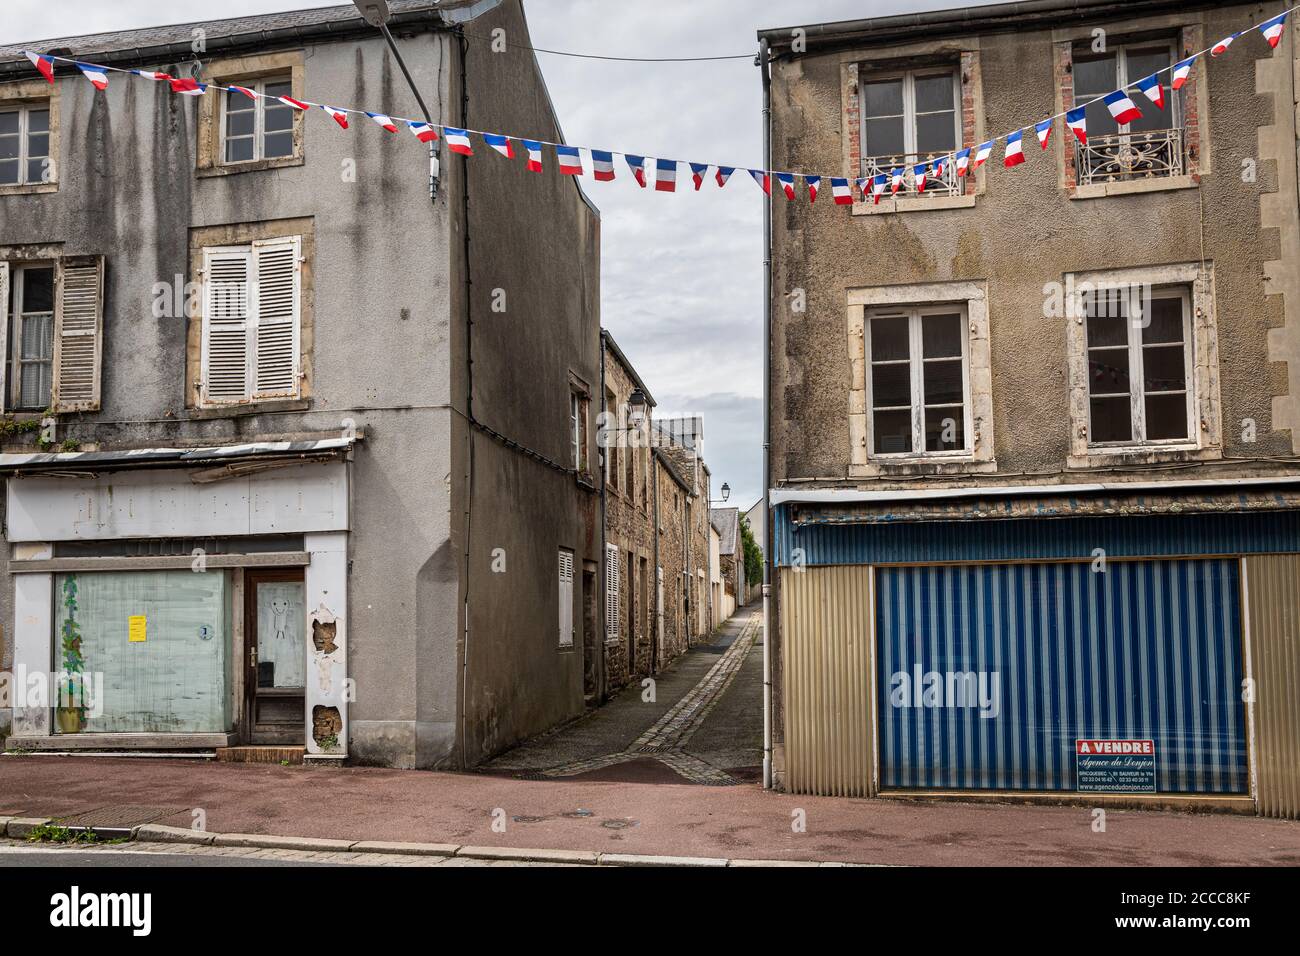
x=636 y=406
x=377 y=14
x=726 y=491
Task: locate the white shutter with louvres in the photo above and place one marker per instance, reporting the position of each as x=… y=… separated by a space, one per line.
x=566 y=598
x=225 y=353
x=78 y=334
x=275 y=334
x=611 y=592
x=4 y=335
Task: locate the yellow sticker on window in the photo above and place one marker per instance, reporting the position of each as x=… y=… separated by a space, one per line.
x=136 y=626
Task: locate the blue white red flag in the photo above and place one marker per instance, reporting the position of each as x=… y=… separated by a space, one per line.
x=457 y=141
x=423 y=131
x=1222 y=46
x=152 y=75
x=501 y=144
x=919 y=174
x=1015 y=149
x=570 y=160
x=878 y=188
x=787 y=184
x=96 y=75
x=339 y=116
x=186 y=86
x=1044 y=131
x=698 y=172
x=384 y=121
x=602 y=165
x=251 y=94
x=896 y=178
x=842 y=192
x=814 y=183
x=1121 y=107
x=723 y=174
x=1182 y=70
x=1272 y=30
x=1077 y=120
x=666 y=175
x=963 y=162
x=296 y=104
x=763 y=180
x=1153 y=88
x=982 y=153
x=43 y=63
x=534 y=150
x=637 y=165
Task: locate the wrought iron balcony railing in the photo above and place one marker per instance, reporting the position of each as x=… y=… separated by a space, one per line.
x=1122 y=157
x=946 y=185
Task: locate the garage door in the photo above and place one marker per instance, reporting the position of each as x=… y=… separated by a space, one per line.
x=989 y=676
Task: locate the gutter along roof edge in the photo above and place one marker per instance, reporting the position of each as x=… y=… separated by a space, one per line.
x=82 y=462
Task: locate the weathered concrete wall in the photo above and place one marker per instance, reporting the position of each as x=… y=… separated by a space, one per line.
x=128 y=190
x=536 y=239
x=673 y=557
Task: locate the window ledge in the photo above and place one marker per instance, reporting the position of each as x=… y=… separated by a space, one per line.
x=29 y=189
x=914 y=204
x=923 y=467
x=231 y=169
x=1141 y=455
x=246 y=409
x=1133 y=187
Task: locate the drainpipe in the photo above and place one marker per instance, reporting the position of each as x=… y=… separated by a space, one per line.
x=764 y=66
x=604 y=526
x=658 y=579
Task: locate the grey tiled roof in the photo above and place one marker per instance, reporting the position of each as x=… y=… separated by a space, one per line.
x=727 y=521
x=318 y=21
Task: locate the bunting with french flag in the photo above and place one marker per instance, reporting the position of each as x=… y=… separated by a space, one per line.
x=698 y=172
x=1153 y=88
x=963 y=162
x=878 y=187
x=339 y=116
x=1182 y=70
x=1272 y=30
x=637 y=165
x=384 y=121
x=1044 y=131
x=723 y=174
x=787 y=184
x=1077 y=121
x=43 y=63
x=251 y=94
x=1015 y=149
x=918 y=174
x=1121 y=107
x=602 y=165
x=763 y=180
x=423 y=131
x=457 y=140
x=1221 y=47
x=570 y=160
x=534 y=150
x=152 y=75
x=813 y=183
x=98 y=78
x=842 y=192
x=665 y=175
x=500 y=144
x=188 y=86
x=896 y=180
x=290 y=101
x=982 y=153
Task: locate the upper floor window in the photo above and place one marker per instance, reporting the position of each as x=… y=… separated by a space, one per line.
x=25 y=146
x=1152 y=146
x=578 y=408
x=1139 y=360
x=918 y=382
x=261 y=128
x=31 y=332
x=909 y=118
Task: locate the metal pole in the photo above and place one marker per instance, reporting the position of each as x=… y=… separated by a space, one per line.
x=767 y=420
x=433 y=149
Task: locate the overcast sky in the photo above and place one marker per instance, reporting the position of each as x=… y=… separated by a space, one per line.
x=682 y=282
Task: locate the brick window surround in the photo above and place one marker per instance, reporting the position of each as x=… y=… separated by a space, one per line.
x=972 y=125
x=1189 y=39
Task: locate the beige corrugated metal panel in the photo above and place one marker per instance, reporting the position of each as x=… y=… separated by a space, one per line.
x=826 y=617
x=1273 y=604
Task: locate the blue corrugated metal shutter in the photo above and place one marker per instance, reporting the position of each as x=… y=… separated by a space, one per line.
x=1143 y=650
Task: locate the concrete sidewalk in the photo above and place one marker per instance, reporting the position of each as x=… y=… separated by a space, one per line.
x=733 y=823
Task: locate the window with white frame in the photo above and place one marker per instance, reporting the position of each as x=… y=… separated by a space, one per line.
x=25 y=146
x=566 y=598
x=1148 y=147
x=612 y=591
x=252 y=308
x=918 y=382
x=255 y=128
x=578 y=406
x=910 y=117
x=1139 y=344
x=31 y=334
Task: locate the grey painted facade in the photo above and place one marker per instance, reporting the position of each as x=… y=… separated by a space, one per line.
x=451 y=661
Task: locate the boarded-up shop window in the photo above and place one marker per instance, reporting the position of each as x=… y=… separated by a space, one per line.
x=156 y=642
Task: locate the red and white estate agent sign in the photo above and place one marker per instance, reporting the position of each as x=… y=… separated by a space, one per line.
x=1115 y=766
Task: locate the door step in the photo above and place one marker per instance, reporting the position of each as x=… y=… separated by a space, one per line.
x=292 y=755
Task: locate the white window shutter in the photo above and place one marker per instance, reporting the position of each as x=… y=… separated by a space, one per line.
x=611 y=592
x=275 y=336
x=566 y=598
x=225 y=353
x=78 y=334
x=4 y=335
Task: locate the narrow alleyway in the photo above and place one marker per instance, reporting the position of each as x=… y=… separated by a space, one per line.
x=704 y=725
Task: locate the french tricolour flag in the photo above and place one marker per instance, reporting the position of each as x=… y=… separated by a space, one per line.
x=1077 y=120
x=501 y=144
x=251 y=94
x=96 y=75
x=1153 y=88
x=814 y=184
x=154 y=75
x=864 y=185
x=637 y=165
x=666 y=175
x=602 y=165
x=457 y=141
x=698 y=172
x=1015 y=149
x=534 y=150
x=296 y=104
x=842 y=192
x=384 y=120
x=1272 y=30
x=878 y=188
x=918 y=173
x=339 y=116
x=982 y=153
x=723 y=174
x=787 y=184
x=1121 y=107
x=570 y=160
x=764 y=182
x=187 y=86
x=896 y=180
x=1182 y=70
x=422 y=131
x=43 y=63
x=940 y=165
x=963 y=161
x=1044 y=131
x=1222 y=46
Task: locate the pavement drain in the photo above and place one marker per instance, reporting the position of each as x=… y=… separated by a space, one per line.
x=528 y=819
x=578 y=814
x=118 y=817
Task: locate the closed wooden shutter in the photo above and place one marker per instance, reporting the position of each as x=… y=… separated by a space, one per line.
x=276 y=317
x=4 y=335
x=566 y=598
x=611 y=592
x=225 y=359
x=78 y=334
